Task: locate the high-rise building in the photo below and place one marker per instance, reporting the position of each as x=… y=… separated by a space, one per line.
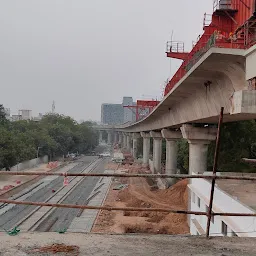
x=118 y=113
x=129 y=113
x=112 y=113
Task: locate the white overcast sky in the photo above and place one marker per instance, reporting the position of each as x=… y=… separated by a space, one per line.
x=82 y=53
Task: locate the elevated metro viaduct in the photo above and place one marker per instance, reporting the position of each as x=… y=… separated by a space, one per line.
x=221 y=78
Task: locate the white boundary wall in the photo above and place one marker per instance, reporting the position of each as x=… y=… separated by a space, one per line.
x=29 y=163
x=223 y=202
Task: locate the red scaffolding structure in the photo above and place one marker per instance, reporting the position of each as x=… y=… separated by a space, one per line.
x=232 y=25
x=142 y=108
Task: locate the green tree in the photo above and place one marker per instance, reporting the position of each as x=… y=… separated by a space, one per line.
x=55 y=134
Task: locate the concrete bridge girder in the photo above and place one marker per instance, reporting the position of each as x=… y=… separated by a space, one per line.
x=191 y=101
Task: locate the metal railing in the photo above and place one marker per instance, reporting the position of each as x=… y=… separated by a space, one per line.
x=207 y=19
x=174 y=46
x=225 y=5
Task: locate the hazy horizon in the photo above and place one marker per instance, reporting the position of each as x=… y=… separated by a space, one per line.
x=84 y=53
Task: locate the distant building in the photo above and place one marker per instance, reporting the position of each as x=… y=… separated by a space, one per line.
x=112 y=114
x=15 y=117
x=129 y=113
x=118 y=113
x=38 y=118
x=25 y=114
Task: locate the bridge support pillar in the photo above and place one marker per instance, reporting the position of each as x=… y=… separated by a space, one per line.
x=157 y=151
x=171 y=138
x=124 y=141
x=109 y=137
x=128 y=142
x=198 y=138
x=115 y=137
x=100 y=136
x=120 y=138
x=135 y=137
x=146 y=147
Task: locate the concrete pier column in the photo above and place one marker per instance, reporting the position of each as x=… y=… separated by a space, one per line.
x=120 y=138
x=115 y=137
x=100 y=136
x=171 y=138
x=146 y=147
x=135 y=137
x=109 y=137
x=157 y=151
x=128 y=142
x=124 y=141
x=198 y=138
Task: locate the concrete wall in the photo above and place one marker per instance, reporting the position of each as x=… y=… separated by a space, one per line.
x=223 y=202
x=30 y=163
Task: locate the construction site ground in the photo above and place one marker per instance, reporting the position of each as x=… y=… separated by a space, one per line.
x=141 y=192
x=27 y=244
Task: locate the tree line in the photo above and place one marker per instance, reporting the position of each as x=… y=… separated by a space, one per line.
x=54 y=135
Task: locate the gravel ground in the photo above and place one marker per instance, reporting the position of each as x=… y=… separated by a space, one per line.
x=13 y=216
x=127 y=245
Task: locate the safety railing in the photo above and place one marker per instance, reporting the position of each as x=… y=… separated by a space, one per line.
x=175 y=46
x=225 y=5
x=207 y=19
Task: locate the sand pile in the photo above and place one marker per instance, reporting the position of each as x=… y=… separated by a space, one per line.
x=164 y=223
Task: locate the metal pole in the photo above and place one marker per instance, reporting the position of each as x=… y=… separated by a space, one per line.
x=216 y=156
x=164 y=176
x=134 y=209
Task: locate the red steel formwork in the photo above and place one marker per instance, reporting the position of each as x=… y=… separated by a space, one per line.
x=143 y=108
x=232 y=25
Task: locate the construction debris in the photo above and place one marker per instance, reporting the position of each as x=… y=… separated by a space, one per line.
x=120 y=187
x=13 y=232
x=58 y=248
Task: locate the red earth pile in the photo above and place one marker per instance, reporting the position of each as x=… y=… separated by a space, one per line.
x=139 y=193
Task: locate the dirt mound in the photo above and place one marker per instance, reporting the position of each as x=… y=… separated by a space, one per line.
x=176 y=195
x=140 y=195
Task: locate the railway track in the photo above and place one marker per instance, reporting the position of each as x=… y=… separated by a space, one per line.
x=14 y=214
x=61 y=219
x=39 y=216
